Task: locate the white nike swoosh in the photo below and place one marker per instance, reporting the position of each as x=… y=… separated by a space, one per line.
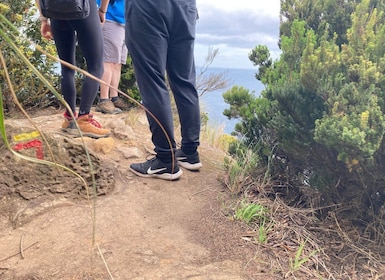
x=151 y=172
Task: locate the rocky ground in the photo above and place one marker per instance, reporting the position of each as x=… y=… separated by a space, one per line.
x=68 y=220
x=53 y=227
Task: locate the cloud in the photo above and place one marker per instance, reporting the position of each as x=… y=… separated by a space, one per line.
x=235 y=31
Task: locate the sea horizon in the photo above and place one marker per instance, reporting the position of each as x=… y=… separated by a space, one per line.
x=213 y=103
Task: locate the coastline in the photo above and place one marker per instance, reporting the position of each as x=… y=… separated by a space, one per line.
x=212 y=102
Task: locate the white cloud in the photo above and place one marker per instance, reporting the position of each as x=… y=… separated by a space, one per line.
x=235 y=28
x=258 y=6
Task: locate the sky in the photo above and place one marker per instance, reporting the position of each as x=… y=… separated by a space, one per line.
x=235 y=27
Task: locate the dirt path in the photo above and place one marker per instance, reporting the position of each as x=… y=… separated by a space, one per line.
x=145 y=228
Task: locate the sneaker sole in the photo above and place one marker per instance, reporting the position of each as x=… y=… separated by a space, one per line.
x=164 y=176
x=123 y=109
x=190 y=166
x=105 y=112
x=75 y=133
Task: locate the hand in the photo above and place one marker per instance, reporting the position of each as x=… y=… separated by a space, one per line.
x=45 y=30
x=102 y=16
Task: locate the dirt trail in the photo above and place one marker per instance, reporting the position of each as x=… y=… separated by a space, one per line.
x=145 y=228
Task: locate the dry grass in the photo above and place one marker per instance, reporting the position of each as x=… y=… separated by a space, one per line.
x=215 y=136
x=301 y=245
x=132 y=116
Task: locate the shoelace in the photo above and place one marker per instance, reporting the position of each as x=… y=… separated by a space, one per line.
x=68 y=117
x=94 y=122
x=91 y=120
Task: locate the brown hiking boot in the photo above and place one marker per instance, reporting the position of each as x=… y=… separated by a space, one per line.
x=121 y=104
x=65 y=124
x=88 y=125
x=107 y=107
x=67 y=120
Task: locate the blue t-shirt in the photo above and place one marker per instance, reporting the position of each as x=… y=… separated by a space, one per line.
x=115 y=12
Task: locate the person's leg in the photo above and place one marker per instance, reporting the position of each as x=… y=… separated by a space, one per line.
x=90 y=40
x=111 y=56
x=105 y=105
x=118 y=101
x=65 y=42
x=107 y=78
x=147 y=42
x=181 y=72
x=108 y=58
x=115 y=52
x=115 y=79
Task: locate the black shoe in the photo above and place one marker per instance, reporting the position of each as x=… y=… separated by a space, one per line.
x=155 y=168
x=190 y=162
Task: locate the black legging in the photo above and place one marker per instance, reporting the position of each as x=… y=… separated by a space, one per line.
x=87 y=32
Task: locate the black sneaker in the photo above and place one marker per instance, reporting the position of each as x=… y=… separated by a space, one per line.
x=155 y=168
x=190 y=162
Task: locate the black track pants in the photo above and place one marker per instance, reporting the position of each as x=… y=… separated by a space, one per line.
x=160 y=37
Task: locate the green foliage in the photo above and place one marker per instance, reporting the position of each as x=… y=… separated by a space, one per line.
x=320 y=119
x=298 y=260
x=251 y=212
x=355 y=126
x=238 y=98
x=330 y=16
x=254 y=213
x=127 y=80
x=260 y=56
x=245 y=107
x=22 y=15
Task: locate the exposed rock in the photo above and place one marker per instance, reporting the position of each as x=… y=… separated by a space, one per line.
x=103 y=145
x=129 y=152
x=63 y=170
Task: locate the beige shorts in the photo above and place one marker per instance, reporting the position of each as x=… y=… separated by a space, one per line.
x=115 y=50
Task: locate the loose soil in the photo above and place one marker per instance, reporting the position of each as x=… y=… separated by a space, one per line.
x=53 y=227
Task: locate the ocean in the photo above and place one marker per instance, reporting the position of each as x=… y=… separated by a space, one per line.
x=212 y=102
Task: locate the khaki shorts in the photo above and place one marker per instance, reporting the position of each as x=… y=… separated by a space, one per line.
x=115 y=50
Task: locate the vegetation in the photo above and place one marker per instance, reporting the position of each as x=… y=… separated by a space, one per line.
x=213 y=81
x=28 y=88
x=298 y=261
x=320 y=120
x=23 y=15
x=128 y=82
x=316 y=134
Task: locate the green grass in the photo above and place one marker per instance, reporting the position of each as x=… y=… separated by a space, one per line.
x=251 y=213
x=299 y=260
